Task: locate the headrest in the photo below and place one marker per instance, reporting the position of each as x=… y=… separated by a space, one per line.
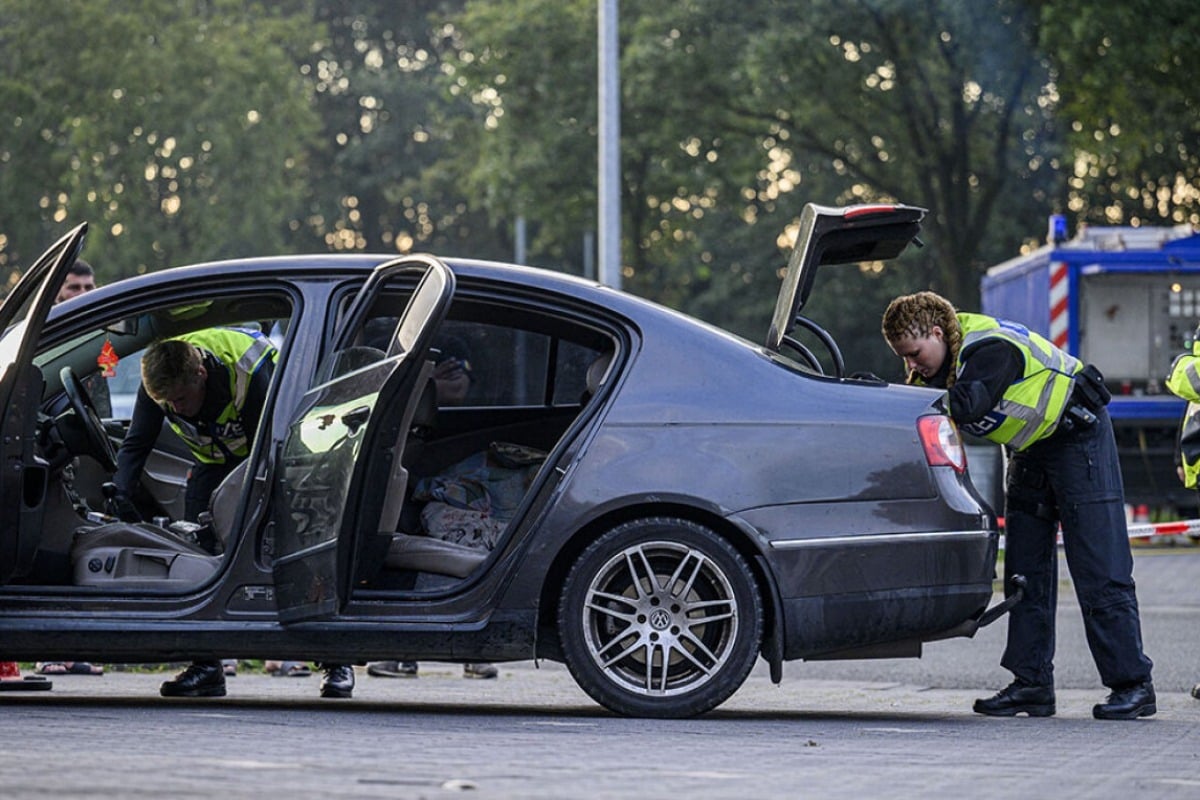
x=598 y=371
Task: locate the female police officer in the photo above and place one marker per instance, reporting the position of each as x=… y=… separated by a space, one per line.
x=1014 y=387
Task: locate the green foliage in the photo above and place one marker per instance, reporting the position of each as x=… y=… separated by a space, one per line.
x=388 y=174
x=1127 y=79
x=178 y=129
x=735 y=115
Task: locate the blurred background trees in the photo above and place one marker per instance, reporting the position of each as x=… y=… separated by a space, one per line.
x=187 y=130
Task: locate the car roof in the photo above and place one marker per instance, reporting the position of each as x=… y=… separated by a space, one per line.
x=356 y=266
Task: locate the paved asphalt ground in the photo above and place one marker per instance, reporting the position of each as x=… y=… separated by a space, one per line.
x=890 y=728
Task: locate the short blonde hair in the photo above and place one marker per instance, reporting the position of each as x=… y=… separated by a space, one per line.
x=916 y=315
x=168 y=365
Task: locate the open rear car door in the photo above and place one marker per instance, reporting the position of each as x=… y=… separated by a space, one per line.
x=25 y=475
x=341 y=477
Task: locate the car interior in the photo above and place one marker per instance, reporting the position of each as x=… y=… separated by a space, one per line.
x=475 y=461
x=78 y=437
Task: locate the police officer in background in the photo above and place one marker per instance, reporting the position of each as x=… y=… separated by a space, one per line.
x=1184 y=381
x=1014 y=387
x=210 y=386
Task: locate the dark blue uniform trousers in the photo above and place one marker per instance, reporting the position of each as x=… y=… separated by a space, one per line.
x=1072 y=476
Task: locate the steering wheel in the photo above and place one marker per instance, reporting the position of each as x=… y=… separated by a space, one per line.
x=806 y=355
x=99 y=445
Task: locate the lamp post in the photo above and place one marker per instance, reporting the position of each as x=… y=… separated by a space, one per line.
x=609 y=156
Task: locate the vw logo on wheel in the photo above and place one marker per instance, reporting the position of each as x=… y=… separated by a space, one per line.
x=660 y=620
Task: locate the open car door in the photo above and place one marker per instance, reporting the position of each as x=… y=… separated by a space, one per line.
x=26 y=475
x=340 y=467
x=847 y=235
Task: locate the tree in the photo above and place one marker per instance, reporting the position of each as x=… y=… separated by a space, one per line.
x=178 y=129
x=735 y=115
x=1127 y=84
x=389 y=129
x=938 y=104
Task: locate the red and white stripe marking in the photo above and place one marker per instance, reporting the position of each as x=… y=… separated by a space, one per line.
x=1059 y=313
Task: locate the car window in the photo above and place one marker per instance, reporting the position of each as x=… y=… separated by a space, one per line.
x=512 y=367
x=107 y=357
x=514 y=358
x=121 y=387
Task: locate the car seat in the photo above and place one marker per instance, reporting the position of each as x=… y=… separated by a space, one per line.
x=145 y=555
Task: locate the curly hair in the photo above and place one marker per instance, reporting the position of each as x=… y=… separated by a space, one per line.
x=916 y=315
x=168 y=365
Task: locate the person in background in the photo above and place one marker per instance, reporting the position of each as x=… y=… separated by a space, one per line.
x=452 y=375
x=1014 y=387
x=1184 y=381
x=80 y=278
x=286 y=669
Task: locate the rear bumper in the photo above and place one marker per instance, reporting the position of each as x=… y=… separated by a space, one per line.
x=857 y=593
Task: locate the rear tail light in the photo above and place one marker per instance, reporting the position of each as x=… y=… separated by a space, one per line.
x=943 y=447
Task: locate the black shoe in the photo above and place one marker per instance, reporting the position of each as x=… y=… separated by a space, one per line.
x=1128 y=703
x=338 y=680
x=201 y=679
x=1016 y=698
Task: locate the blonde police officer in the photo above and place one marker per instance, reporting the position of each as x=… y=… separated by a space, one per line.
x=1012 y=386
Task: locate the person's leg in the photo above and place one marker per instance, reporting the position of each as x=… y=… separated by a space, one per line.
x=201 y=678
x=1030 y=550
x=202 y=482
x=1087 y=479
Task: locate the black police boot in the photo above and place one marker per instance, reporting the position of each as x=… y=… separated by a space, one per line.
x=1128 y=703
x=338 y=680
x=201 y=679
x=1016 y=698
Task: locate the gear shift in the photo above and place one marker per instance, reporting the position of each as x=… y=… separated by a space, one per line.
x=109 y=490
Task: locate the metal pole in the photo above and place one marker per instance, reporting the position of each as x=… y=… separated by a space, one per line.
x=609 y=157
x=589 y=255
x=519 y=254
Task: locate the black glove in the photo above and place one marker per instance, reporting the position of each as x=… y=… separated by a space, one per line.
x=124 y=509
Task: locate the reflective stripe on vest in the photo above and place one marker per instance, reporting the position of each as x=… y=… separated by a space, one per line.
x=1184 y=381
x=1031 y=407
x=1184 y=378
x=242 y=352
x=1189 y=445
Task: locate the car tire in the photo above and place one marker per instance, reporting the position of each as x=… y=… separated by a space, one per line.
x=660 y=617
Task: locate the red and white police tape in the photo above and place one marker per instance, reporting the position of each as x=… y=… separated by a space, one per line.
x=1147 y=530
x=1180 y=527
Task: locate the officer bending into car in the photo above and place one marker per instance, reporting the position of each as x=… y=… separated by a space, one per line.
x=210 y=386
x=1012 y=386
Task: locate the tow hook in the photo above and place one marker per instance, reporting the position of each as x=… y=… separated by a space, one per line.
x=1004 y=606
